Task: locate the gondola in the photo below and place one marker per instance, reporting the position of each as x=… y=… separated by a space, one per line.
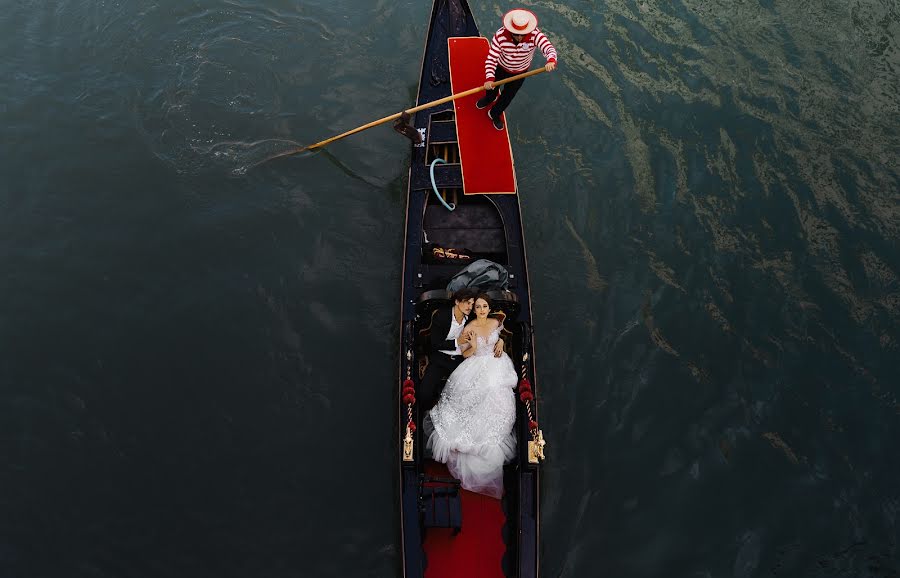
x=463 y=163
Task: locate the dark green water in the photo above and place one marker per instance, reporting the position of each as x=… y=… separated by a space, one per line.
x=197 y=365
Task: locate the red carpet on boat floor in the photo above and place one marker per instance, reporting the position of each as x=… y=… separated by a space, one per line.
x=477 y=551
x=485 y=152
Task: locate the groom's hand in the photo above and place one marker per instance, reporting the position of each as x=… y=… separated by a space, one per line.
x=498 y=348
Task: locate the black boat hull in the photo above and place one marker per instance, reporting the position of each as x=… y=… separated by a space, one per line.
x=423 y=282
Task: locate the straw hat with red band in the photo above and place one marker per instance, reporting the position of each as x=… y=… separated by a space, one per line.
x=520 y=21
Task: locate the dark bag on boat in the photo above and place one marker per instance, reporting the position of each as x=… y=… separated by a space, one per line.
x=482 y=274
x=434 y=253
x=440 y=503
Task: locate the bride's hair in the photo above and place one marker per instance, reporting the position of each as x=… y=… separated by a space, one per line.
x=497 y=315
x=488 y=300
x=492 y=314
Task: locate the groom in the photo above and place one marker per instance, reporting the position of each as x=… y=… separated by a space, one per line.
x=445 y=346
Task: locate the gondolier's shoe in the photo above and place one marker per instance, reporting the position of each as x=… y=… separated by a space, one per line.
x=498 y=123
x=485 y=101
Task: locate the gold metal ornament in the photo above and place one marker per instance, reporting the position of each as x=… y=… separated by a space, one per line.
x=408 y=446
x=536 y=448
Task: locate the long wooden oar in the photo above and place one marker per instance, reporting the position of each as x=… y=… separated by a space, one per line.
x=409 y=111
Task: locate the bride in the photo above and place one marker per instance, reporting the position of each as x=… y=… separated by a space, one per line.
x=473 y=420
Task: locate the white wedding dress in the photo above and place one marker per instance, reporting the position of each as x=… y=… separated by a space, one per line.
x=473 y=420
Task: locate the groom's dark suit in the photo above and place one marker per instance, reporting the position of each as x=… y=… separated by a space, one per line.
x=440 y=365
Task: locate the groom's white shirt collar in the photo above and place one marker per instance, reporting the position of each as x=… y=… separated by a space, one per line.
x=455 y=330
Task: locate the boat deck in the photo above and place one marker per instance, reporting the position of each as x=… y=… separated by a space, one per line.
x=477 y=551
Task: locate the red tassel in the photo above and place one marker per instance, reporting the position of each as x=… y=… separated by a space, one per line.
x=524 y=384
x=526 y=396
x=412 y=426
x=409 y=398
x=532 y=425
x=408 y=390
x=408 y=383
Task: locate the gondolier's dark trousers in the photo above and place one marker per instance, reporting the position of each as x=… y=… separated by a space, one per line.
x=440 y=366
x=507 y=91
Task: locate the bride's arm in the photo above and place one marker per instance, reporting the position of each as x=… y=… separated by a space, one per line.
x=498 y=347
x=472 y=343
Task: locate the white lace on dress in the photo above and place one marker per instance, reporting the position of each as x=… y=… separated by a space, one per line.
x=474 y=418
x=486 y=345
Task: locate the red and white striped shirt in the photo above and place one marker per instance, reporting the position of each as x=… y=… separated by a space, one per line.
x=515 y=58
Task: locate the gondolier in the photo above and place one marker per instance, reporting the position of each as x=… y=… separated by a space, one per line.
x=511 y=52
